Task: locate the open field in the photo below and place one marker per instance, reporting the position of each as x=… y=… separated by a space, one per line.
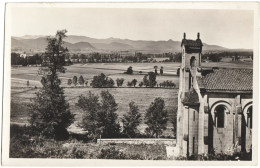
x=21 y=94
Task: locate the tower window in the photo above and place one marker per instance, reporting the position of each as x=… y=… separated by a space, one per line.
x=193 y=61
x=193 y=145
x=249 y=117
x=220 y=116
x=194 y=115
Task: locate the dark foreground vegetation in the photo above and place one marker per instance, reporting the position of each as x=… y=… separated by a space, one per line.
x=25 y=143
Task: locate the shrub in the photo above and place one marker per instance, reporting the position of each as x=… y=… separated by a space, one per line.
x=111 y=153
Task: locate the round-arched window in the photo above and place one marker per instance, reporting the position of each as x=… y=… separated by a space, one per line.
x=193 y=62
x=249 y=117
x=220 y=116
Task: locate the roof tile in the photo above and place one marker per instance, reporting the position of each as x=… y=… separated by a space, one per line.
x=229 y=80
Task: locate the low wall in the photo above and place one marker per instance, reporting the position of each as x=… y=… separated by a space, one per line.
x=137 y=141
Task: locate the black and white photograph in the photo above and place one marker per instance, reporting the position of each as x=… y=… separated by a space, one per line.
x=171 y=82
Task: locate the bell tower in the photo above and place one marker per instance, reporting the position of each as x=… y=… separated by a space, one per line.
x=189 y=97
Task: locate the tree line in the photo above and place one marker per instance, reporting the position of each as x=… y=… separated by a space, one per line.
x=100 y=117
x=102 y=81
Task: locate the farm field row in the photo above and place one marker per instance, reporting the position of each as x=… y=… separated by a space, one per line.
x=20 y=98
x=21 y=75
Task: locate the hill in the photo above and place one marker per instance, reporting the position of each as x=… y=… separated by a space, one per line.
x=87 y=44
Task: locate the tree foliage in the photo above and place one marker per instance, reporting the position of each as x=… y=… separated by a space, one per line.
x=156 y=118
x=141 y=84
x=150 y=79
x=81 y=80
x=86 y=83
x=145 y=80
x=101 y=81
x=131 y=120
x=69 y=82
x=107 y=116
x=49 y=111
x=100 y=116
x=134 y=81
x=129 y=84
x=91 y=106
x=120 y=81
x=75 y=80
x=129 y=70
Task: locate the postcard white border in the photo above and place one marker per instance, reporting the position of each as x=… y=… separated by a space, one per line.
x=6 y=161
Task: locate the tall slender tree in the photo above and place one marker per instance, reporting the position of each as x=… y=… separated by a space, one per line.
x=49 y=111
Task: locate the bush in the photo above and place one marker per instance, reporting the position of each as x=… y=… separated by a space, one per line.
x=102 y=81
x=111 y=153
x=167 y=83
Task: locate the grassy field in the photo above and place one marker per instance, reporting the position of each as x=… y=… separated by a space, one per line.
x=21 y=94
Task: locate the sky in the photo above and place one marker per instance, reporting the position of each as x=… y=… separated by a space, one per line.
x=227 y=28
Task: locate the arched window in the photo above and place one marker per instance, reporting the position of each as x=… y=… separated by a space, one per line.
x=249 y=117
x=220 y=116
x=193 y=61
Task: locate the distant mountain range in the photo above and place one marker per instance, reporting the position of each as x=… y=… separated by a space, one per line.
x=87 y=44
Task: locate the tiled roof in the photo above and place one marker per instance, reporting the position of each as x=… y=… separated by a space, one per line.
x=192 y=43
x=191 y=97
x=229 y=80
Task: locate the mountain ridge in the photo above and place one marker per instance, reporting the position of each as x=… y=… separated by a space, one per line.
x=88 y=44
